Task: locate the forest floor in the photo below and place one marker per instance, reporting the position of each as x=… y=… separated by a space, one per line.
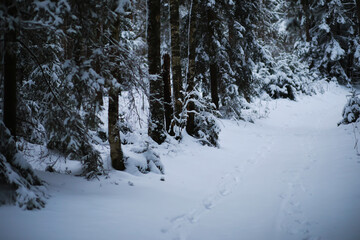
x=291 y=175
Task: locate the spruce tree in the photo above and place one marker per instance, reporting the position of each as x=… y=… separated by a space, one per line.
x=175 y=58
x=16 y=176
x=193 y=43
x=116 y=154
x=156 y=97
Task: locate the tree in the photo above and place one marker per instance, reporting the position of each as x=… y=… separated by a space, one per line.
x=198 y=107
x=116 y=154
x=156 y=118
x=176 y=58
x=306 y=10
x=358 y=14
x=10 y=40
x=212 y=52
x=330 y=36
x=16 y=175
x=168 y=106
x=193 y=43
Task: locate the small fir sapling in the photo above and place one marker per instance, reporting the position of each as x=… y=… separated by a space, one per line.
x=351 y=111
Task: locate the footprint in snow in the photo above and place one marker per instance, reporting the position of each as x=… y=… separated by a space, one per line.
x=209 y=202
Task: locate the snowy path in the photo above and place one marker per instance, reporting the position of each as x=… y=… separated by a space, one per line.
x=294 y=175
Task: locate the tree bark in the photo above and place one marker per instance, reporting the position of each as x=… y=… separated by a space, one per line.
x=156 y=118
x=358 y=14
x=305 y=4
x=18 y=180
x=175 y=57
x=167 y=92
x=116 y=154
x=214 y=72
x=214 y=84
x=190 y=125
x=10 y=99
x=231 y=26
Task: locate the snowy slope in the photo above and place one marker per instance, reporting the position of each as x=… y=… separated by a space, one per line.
x=293 y=175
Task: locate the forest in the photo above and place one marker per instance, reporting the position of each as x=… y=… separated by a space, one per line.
x=123 y=92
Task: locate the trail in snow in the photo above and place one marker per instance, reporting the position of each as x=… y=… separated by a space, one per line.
x=179 y=225
x=296 y=144
x=293 y=175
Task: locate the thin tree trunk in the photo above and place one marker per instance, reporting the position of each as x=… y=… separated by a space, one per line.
x=305 y=4
x=167 y=92
x=231 y=26
x=175 y=56
x=190 y=125
x=116 y=154
x=156 y=118
x=10 y=71
x=358 y=14
x=214 y=72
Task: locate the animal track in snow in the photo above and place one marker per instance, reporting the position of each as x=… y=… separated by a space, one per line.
x=178 y=229
x=292 y=219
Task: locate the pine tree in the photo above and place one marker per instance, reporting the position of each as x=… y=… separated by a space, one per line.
x=175 y=58
x=10 y=70
x=16 y=175
x=193 y=43
x=328 y=40
x=212 y=44
x=156 y=119
x=168 y=106
x=358 y=14
x=116 y=154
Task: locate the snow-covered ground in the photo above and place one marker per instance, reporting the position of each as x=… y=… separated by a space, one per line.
x=293 y=175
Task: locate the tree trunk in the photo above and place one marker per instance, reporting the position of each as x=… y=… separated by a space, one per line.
x=116 y=154
x=214 y=72
x=358 y=14
x=20 y=183
x=175 y=57
x=214 y=84
x=305 y=4
x=231 y=26
x=167 y=92
x=190 y=125
x=156 y=118
x=10 y=72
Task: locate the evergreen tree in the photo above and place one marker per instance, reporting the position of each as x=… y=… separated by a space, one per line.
x=168 y=106
x=329 y=36
x=10 y=47
x=358 y=14
x=156 y=119
x=193 y=43
x=116 y=154
x=176 y=58
x=16 y=176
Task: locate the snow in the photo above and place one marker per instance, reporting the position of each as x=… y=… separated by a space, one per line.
x=335 y=50
x=324 y=26
x=357 y=53
x=292 y=175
